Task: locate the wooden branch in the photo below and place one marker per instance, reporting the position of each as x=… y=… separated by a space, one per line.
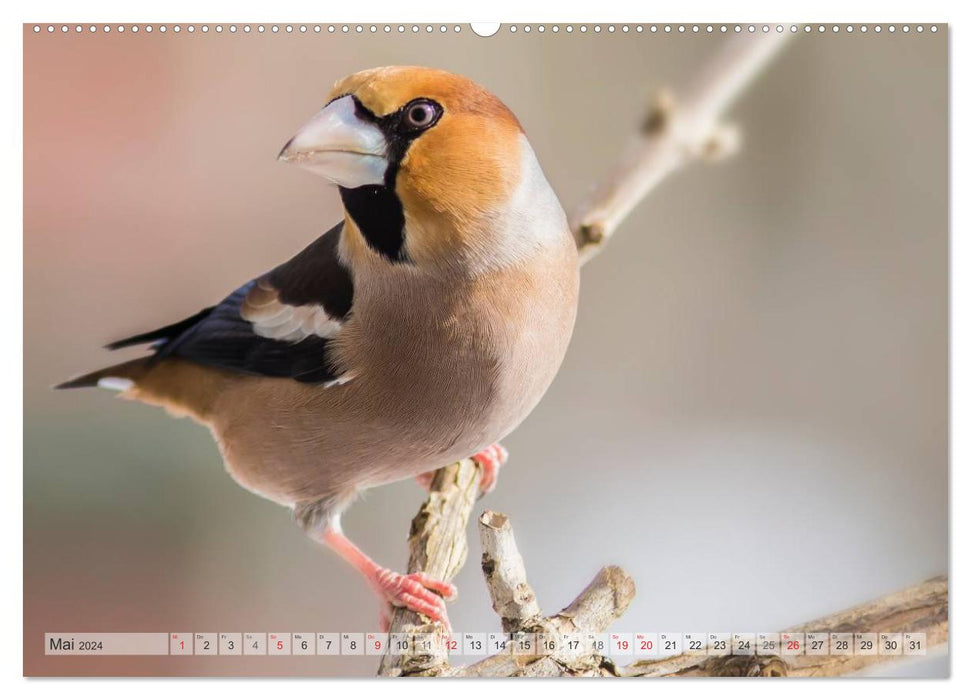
x=505 y=573
x=438 y=546
x=921 y=608
x=602 y=602
x=677 y=131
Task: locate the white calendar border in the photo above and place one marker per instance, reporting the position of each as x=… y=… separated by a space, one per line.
x=382 y=10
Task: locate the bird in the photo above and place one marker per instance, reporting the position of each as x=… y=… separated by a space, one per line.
x=420 y=330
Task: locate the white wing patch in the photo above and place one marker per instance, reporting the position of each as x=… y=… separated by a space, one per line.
x=115 y=383
x=271 y=318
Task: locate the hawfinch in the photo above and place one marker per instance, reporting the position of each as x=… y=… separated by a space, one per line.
x=420 y=330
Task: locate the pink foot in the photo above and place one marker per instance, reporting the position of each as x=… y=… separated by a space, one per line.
x=490 y=460
x=425 y=480
x=418 y=592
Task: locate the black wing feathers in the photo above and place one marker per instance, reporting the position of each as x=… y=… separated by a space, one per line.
x=225 y=339
x=316 y=276
x=163 y=334
x=221 y=337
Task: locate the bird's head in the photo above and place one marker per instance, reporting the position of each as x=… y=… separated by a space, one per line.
x=424 y=160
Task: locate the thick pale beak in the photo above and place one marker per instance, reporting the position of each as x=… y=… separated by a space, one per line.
x=339 y=146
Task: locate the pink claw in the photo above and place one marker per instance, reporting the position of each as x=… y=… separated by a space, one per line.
x=418 y=592
x=490 y=460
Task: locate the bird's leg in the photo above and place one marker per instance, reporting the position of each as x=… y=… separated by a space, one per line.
x=418 y=592
x=490 y=460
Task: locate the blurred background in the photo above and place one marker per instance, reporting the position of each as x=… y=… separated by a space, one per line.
x=751 y=419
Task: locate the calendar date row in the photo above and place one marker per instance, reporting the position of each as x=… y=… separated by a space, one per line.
x=472 y=644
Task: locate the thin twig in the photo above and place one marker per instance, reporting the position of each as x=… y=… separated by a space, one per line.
x=678 y=130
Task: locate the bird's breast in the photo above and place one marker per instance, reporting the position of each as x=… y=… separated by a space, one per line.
x=440 y=370
x=456 y=366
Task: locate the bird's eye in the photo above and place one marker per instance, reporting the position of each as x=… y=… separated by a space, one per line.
x=421 y=114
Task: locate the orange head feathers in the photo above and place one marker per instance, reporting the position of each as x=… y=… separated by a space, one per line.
x=426 y=161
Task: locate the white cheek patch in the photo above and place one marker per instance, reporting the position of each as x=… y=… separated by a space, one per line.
x=273 y=319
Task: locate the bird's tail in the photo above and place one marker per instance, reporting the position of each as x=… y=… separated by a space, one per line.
x=119 y=377
x=182 y=388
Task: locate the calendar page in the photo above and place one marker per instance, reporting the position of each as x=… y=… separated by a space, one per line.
x=541 y=349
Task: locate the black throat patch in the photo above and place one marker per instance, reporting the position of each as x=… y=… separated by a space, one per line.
x=378 y=213
x=376 y=209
